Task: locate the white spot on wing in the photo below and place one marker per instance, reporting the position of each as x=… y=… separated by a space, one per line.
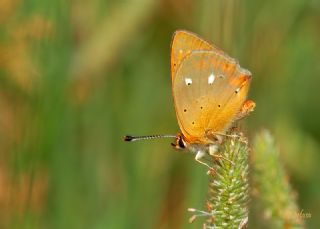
x=188 y=81
x=211 y=78
x=237 y=90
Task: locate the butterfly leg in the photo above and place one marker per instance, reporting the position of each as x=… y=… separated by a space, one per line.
x=224 y=158
x=200 y=154
x=218 y=137
x=213 y=149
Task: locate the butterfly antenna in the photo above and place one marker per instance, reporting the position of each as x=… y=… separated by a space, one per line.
x=129 y=138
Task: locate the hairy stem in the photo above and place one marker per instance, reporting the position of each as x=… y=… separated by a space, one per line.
x=229 y=186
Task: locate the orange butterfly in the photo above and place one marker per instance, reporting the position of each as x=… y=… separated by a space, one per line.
x=209 y=90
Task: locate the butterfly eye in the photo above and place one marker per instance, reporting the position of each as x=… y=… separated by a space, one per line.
x=181 y=143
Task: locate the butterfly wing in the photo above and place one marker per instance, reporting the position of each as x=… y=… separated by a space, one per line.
x=209 y=89
x=183 y=43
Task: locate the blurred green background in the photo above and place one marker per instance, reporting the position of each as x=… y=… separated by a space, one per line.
x=75 y=76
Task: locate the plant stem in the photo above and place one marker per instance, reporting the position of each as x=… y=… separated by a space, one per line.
x=229 y=186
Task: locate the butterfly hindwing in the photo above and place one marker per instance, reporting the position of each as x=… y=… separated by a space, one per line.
x=209 y=89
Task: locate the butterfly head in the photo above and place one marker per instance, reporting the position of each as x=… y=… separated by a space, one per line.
x=179 y=143
x=182 y=142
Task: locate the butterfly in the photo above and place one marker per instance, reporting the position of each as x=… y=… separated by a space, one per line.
x=209 y=92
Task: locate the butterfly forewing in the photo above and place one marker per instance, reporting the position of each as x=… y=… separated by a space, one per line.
x=209 y=89
x=183 y=43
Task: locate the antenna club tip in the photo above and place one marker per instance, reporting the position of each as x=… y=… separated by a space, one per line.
x=127 y=138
